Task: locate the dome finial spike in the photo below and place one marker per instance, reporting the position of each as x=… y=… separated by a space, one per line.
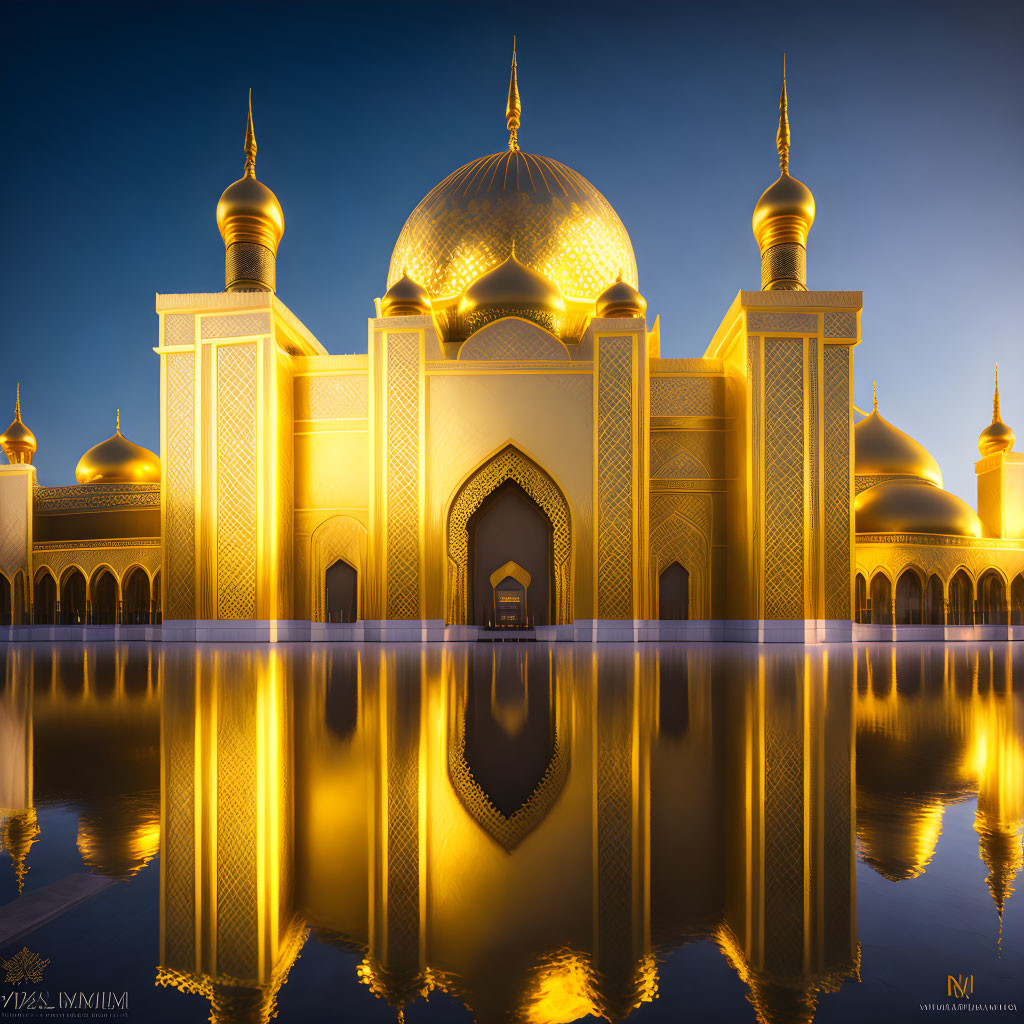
x=250 y=144
x=17 y=400
x=874 y=395
x=118 y=423
x=513 y=109
x=996 y=413
x=782 y=136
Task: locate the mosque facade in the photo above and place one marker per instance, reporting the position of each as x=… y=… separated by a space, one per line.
x=511 y=454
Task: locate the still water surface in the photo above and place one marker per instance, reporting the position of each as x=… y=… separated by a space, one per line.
x=520 y=832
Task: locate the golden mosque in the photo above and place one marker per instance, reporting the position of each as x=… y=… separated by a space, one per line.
x=504 y=825
x=512 y=453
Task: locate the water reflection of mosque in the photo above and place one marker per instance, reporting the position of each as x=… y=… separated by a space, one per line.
x=528 y=831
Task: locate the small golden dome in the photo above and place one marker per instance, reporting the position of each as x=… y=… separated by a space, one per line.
x=512 y=289
x=880 y=449
x=913 y=506
x=784 y=213
x=620 y=299
x=17 y=441
x=248 y=211
x=997 y=436
x=118 y=460
x=405 y=297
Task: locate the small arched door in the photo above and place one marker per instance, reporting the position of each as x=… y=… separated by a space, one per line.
x=104 y=598
x=1017 y=601
x=909 y=599
x=992 y=599
x=674 y=593
x=341 y=581
x=961 y=600
x=6 y=601
x=45 y=600
x=862 y=610
x=934 y=610
x=73 y=608
x=881 y=600
x=135 y=605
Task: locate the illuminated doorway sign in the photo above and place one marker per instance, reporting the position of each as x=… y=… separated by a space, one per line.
x=510 y=584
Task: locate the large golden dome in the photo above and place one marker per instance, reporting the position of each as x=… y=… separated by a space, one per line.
x=913 y=506
x=561 y=225
x=880 y=449
x=118 y=460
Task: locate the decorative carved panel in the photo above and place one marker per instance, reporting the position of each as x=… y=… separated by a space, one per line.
x=337 y=537
x=512 y=340
x=681 y=532
x=678 y=455
x=687 y=396
x=836 y=519
x=841 y=325
x=338 y=396
x=179 y=329
x=239 y=325
x=179 y=479
x=794 y=323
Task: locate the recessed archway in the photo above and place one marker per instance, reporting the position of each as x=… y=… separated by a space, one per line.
x=104 y=598
x=341 y=586
x=6 y=601
x=934 y=603
x=44 y=600
x=909 y=599
x=1017 y=601
x=674 y=593
x=961 y=600
x=73 y=606
x=862 y=609
x=881 y=600
x=992 y=599
x=135 y=597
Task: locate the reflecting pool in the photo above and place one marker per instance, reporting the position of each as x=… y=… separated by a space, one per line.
x=514 y=832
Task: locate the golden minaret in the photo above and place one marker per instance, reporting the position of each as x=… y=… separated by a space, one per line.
x=997 y=436
x=251 y=223
x=513 y=109
x=17 y=441
x=783 y=217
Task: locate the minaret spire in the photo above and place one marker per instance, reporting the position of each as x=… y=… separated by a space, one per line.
x=119 y=421
x=996 y=412
x=782 y=136
x=513 y=109
x=250 y=144
x=874 y=395
x=17 y=397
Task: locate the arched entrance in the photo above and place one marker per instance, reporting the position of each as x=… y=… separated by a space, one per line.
x=104 y=598
x=992 y=599
x=6 y=601
x=157 y=600
x=509 y=528
x=342 y=588
x=516 y=524
x=909 y=599
x=45 y=599
x=934 y=610
x=674 y=593
x=862 y=610
x=73 y=608
x=135 y=598
x=1017 y=601
x=961 y=600
x=881 y=600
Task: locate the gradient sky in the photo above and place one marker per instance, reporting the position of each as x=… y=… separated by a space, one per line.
x=123 y=124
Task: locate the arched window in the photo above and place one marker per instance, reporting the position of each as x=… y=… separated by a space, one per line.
x=674 y=593
x=135 y=607
x=881 y=600
x=1017 y=601
x=342 y=592
x=909 y=599
x=45 y=599
x=104 y=598
x=861 y=608
x=6 y=598
x=934 y=610
x=961 y=600
x=157 y=600
x=73 y=608
x=992 y=599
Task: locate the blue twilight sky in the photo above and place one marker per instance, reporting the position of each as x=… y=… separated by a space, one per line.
x=122 y=124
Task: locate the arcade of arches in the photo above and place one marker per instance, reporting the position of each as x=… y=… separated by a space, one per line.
x=103 y=600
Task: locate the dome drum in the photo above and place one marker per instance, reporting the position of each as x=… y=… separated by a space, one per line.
x=249 y=267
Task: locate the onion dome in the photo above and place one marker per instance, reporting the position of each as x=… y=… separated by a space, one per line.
x=562 y=225
x=897 y=834
x=620 y=299
x=512 y=289
x=251 y=222
x=17 y=441
x=997 y=436
x=880 y=449
x=913 y=506
x=783 y=217
x=405 y=297
x=118 y=460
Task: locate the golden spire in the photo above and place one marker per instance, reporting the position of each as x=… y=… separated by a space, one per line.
x=997 y=436
x=513 y=109
x=17 y=396
x=782 y=136
x=17 y=441
x=996 y=413
x=250 y=144
x=874 y=395
x=118 y=422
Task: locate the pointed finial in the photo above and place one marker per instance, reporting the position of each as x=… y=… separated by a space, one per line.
x=874 y=394
x=782 y=136
x=119 y=421
x=996 y=413
x=513 y=109
x=250 y=144
x=17 y=400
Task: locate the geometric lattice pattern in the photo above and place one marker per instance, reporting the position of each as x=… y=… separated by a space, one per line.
x=836 y=467
x=687 y=396
x=615 y=478
x=179 y=479
x=236 y=482
x=813 y=610
x=14 y=524
x=841 y=325
x=755 y=380
x=679 y=455
x=341 y=396
x=235 y=326
x=783 y=479
x=512 y=340
x=508 y=464
x=803 y=323
x=179 y=329
x=403 y=482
